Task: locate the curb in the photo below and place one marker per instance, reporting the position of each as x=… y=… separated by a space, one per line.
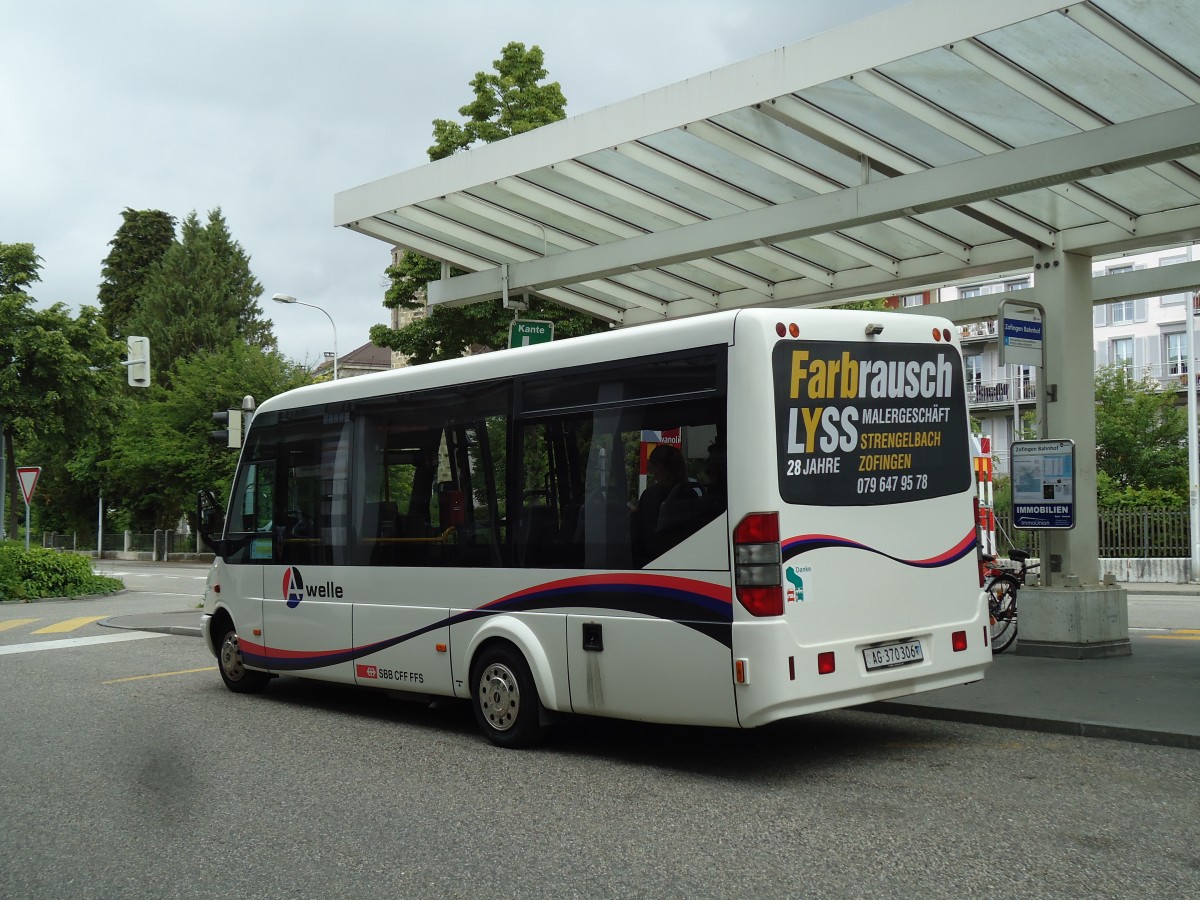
x=180 y=630
x=1033 y=723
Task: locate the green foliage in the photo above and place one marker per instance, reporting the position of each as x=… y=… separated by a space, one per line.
x=36 y=573
x=508 y=101
x=1140 y=434
x=200 y=296
x=53 y=385
x=161 y=454
x=144 y=236
x=876 y=305
x=1113 y=496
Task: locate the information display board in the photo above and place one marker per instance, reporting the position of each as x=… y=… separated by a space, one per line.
x=1043 y=484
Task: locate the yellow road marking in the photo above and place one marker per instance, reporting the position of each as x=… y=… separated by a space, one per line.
x=160 y=675
x=16 y=623
x=68 y=625
x=1175 y=637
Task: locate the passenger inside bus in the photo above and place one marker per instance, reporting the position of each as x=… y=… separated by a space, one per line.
x=669 y=509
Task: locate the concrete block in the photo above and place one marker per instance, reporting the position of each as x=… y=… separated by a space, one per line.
x=1073 y=622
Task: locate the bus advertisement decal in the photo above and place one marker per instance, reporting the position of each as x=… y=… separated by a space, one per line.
x=698 y=605
x=803 y=543
x=867 y=424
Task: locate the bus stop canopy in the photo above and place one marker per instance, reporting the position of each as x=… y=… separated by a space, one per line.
x=938 y=141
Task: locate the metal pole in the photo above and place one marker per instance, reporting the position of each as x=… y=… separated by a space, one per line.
x=26 y=524
x=100 y=530
x=1193 y=463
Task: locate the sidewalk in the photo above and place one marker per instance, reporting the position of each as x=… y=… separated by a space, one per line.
x=1152 y=696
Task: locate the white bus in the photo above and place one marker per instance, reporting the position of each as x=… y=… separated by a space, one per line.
x=488 y=528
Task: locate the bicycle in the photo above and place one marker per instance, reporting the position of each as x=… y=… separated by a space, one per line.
x=1002 y=584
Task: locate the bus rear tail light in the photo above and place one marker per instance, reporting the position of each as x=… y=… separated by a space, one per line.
x=757 y=560
x=826 y=663
x=958 y=641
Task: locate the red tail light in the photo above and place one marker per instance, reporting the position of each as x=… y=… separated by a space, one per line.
x=757 y=562
x=958 y=641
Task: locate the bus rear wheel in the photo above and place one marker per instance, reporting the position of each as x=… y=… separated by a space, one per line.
x=234 y=673
x=505 y=698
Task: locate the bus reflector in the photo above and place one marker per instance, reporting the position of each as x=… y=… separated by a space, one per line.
x=826 y=664
x=757 y=561
x=741 y=671
x=440 y=648
x=958 y=641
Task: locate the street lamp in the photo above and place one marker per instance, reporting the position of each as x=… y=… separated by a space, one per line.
x=287 y=298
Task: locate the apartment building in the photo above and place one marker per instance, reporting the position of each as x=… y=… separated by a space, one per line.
x=1146 y=335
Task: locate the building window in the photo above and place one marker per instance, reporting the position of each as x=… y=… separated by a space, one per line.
x=974 y=291
x=1016 y=285
x=1122 y=354
x=1173 y=299
x=1121 y=313
x=1176 y=353
x=912 y=300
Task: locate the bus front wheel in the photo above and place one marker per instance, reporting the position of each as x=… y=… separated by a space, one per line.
x=505 y=698
x=234 y=673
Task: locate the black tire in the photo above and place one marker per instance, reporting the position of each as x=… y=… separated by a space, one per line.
x=505 y=698
x=233 y=669
x=1002 y=610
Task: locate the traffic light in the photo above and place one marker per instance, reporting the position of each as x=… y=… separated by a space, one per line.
x=137 y=364
x=231 y=434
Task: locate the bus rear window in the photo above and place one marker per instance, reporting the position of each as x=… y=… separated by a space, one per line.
x=867 y=424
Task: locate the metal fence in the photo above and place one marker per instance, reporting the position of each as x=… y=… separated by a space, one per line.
x=158 y=543
x=1138 y=533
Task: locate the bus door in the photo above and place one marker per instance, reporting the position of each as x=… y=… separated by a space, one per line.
x=307 y=606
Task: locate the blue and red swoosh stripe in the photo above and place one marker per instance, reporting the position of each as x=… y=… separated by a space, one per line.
x=794 y=546
x=700 y=605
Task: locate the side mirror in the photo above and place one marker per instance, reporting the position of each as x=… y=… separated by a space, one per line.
x=210 y=520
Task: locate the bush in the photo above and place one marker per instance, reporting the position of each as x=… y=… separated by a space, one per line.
x=37 y=573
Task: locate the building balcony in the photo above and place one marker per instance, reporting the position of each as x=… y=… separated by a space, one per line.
x=1000 y=393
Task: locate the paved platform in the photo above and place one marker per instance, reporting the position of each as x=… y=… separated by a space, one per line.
x=1151 y=696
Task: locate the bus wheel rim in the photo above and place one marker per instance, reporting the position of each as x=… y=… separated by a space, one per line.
x=499 y=696
x=231 y=658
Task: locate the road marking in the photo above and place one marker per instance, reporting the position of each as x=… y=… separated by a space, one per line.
x=1174 y=637
x=1178 y=634
x=160 y=675
x=78 y=642
x=68 y=625
x=16 y=623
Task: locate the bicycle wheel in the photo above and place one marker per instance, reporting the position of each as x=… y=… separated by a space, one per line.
x=1002 y=610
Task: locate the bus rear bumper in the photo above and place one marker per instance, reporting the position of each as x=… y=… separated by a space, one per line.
x=795 y=680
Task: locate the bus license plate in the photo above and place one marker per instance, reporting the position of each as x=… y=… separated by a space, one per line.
x=900 y=654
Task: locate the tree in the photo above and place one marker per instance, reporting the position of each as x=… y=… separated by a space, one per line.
x=1141 y=435
x=511 y=100
x=200 y=296
x=508 y=101
x=144 y=236
x=55 y=369
x=162 y=454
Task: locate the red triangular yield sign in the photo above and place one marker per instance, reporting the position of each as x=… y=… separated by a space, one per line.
x=28 y=477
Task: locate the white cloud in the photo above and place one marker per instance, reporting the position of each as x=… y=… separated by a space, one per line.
x=267 y=108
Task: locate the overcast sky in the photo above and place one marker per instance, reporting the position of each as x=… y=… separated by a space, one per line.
x=267 y=108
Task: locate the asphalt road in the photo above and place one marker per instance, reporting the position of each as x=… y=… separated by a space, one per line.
x=129 y=771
